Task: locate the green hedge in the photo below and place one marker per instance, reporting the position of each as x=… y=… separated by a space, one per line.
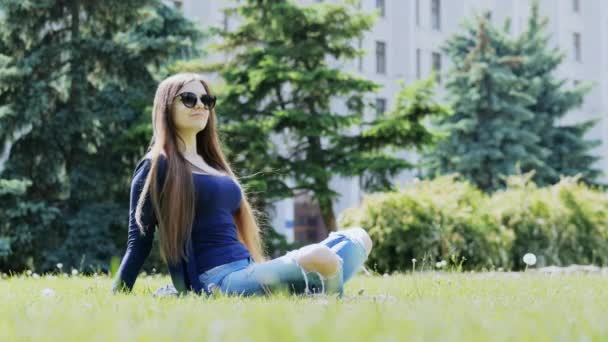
x=447 y=219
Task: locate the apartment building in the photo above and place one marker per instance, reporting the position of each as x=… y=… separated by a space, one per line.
x=405 y=44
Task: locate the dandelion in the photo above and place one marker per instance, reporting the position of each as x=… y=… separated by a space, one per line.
x=74 y=272
x=36 y=276
x=59 y=266
x=48 y=292
x=413 y=264
x=530 y=259
x=441 y=264
x=29 y=273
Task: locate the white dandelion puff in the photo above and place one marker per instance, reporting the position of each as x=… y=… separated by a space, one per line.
x=441 y=264
x=74 y=272
x=48 y=292
x=530 y=259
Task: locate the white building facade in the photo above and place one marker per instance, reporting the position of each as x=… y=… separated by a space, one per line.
x=405 y=44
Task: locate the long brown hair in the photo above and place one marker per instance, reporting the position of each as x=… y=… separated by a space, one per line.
x=174 y=204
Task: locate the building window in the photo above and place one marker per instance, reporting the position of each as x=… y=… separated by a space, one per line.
x=381 y=57
x=418 y=66
x=577 y=46
x=417 y=12
x=436 y=14
x=360 y=59
x=437 y=66
x=576 y=6
x=226 y=21
x=380 y=106
x=381 y=6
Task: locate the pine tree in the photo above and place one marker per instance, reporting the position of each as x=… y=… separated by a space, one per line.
x=75 y=78
x=277 y=103
x=508 y=104
x=490 y=133
x=570 y=152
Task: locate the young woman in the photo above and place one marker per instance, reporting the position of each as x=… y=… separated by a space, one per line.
x=208 y=233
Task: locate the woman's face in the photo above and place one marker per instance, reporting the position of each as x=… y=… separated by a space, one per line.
x=190 y=120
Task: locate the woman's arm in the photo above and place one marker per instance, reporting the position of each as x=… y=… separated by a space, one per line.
x=138 y=245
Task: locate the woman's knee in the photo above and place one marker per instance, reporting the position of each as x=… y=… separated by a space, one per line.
x=359 y=234
x=318 y=258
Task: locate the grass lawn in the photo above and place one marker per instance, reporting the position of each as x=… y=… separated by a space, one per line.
x=419 y=307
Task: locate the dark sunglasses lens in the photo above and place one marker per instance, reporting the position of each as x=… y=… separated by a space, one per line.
x=208 y=100
x=189 y=99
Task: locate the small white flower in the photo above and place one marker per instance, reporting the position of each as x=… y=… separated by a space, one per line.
x=414 y=260
x=36 y=276
x=59 y=265
x=29 y=273
x=441 y=264
x=74 y=272
x=530 y=259
x=48 y=292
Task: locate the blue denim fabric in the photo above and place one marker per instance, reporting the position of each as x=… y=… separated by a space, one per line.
x=283 y=275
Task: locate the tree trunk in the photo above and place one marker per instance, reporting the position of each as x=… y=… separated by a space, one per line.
x=315 y=156
x=327 y=213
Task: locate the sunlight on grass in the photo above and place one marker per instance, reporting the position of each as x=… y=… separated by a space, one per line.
x=423 y=306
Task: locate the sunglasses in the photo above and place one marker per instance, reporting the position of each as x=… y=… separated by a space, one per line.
x=190 y=99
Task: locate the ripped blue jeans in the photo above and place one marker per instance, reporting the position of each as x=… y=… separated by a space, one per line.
x=283 y=275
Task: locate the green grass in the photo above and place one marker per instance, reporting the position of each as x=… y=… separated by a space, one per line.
x=419 y=307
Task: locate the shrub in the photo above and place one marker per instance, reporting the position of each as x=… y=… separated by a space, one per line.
x=563 y=224
x=448 y=219
x=431 y=221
